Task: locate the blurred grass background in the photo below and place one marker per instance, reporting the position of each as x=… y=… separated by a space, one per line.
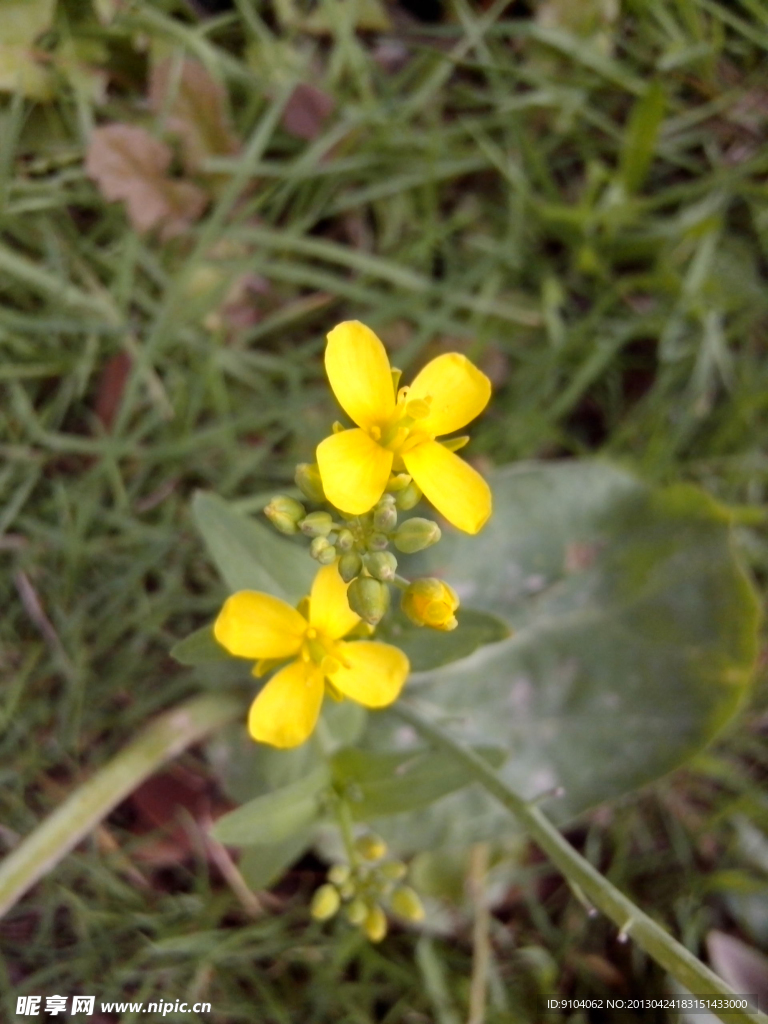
x=574 y=194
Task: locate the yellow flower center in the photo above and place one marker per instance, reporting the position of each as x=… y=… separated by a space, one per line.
x=402 y=432
x=322 y=651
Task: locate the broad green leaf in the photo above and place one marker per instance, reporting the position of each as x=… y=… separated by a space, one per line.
x=262 y=866
x=382 y=783
x=428 y=648
x=250 y=556
x=199 y=648
x=275 y=816
x=634 y=643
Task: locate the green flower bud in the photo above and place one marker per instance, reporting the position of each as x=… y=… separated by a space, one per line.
x=317 y=524
x=398 y=482
x=350 y=565
x=339 y=873
x=325 y=902
x=369 y=598
x=393 y=870
x=385 y=514
x=407 y=904
x=415 y=535
x=285 y=513
x=377 y=542
x=345 y=541
x=308 y=481
x=375 y=925
x=324 y=552
x=357 y=911
x=347 y=890
x=409 y=498
x=431 y=602
x=382 y=565
x=370 y=847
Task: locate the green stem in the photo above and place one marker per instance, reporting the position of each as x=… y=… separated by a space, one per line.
x=658 y=943
x=163 y=739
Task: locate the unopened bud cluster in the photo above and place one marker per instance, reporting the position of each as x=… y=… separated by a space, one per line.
x=365 y=888
x=361 y=547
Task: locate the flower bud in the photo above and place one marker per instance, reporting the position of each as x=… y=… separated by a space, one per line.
x=375 y=925
x=285 y=513
x=385 y=514
x=398 y=482
x=409 y=497
x=370 y=847
x=325 y=902
x=345 y=541
x=347 y=889
x=357 y=911
x=382 y=565
x=406 y=903
x=431 y=602
x=339 y=873
x=317 y=524
x=350 y=565
x=393 y=870
x=369 y=598
x=308 y=481
x=324 y=552
x=377 y=542
x=416 y=534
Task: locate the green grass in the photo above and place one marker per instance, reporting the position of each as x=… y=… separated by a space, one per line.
x=585 y=218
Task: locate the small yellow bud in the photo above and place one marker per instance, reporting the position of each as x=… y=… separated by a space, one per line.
x=285 y=513
x=325 y=902
x=369 y=598
x=409 y=497
x=407 y=904
x=357 y=911
x=398 y=482
x=347 y=889
x=317 y=524
x=308 y=481
x=371 y=847
x=350 y=565
x=393 y=870
x=382 y=565
x=431 y=602
x=415 y=535
x=339 y=873
x=375 y=925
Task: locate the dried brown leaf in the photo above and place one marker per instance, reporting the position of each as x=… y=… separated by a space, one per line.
x=127 y=163
x=306 y=111
x=195 y=108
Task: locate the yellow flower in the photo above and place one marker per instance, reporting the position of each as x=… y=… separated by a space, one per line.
x=256 y=625
x=397 y=431
x=431 y=602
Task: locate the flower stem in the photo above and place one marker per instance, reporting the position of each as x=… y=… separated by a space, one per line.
x=52 y=840
x=655 y=940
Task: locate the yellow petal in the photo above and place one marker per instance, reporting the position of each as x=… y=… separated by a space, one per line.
x=372 y=674
x=358 y=370
x=255 y=625
x=354 y=470
x=329 y=609
x=458 y=392
x=285 y=712
x=455 y=489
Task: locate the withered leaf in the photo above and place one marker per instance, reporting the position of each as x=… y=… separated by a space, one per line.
x=195 y=108
x=306 y=111
x=127 y=163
